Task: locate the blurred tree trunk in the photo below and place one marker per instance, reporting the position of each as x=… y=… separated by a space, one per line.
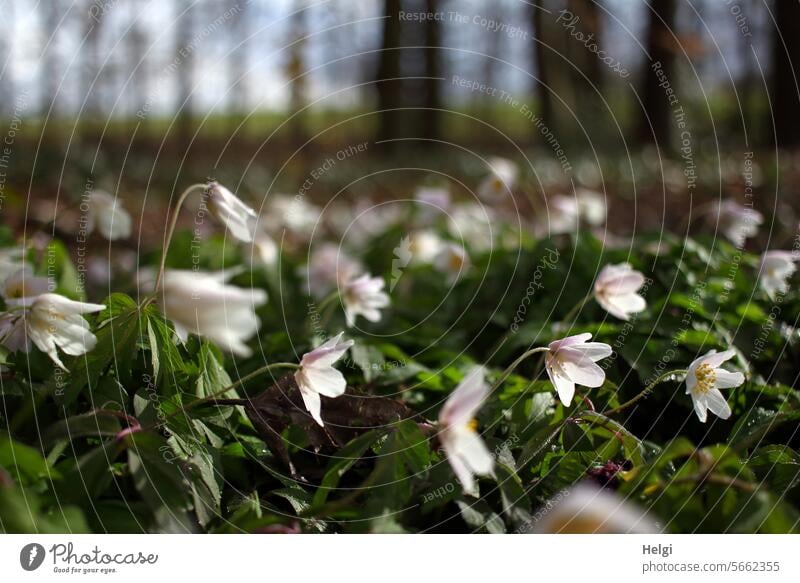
x=542 y=81
x=388 y=84
x=52 y=74
x=237 y=60
x=785 y=114
x=295 y=71
x=431 y=118
x=655 y=122
x=590 y=25
x=184 y=55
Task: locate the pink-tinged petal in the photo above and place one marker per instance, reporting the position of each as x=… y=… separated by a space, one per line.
x=569 y=341
x=473 y=451
x=717 y=404
x=714 y=358
x=312 y=403
x=325 y=381
x=581 y=370
x=593 y=350
x=326 y=354
x=466 y=399
x=727 y=379
x=611 y=307
x=564 y=387
x=461 y=469
x=621 y=282
x=700 y=408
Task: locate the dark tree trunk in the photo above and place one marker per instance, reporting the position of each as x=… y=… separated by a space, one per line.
x=540 y=58
x=655 y=122
x=785 y=114
x=388 y=84
x=589 y=24
x=431 y=118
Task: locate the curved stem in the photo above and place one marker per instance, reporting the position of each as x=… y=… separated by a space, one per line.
x=171 y=230
x=647 y=390
x=577 y=307
x=515 y=364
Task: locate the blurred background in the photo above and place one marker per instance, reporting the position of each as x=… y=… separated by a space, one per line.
x=659 y=103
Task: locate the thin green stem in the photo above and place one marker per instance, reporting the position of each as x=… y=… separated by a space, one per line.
x=515 y=364
x=171 y=230
x=647 y=390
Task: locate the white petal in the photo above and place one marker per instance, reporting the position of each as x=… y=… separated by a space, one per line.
x=564 y=387
x=714 y=358
x=312 y=403
x=472 y=449
x=466 y=399
x=325 y=381
x=700 y=407
x=717 y=404
x=727 y=379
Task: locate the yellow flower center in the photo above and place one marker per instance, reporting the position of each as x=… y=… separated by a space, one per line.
x=706 y=378
x=456 y=261
x=473 y=425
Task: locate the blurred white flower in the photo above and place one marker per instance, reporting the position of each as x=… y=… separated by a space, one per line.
x=264 y=251
x=11 y=261
x=292 y=213
x=572 y=361
x=466 y=451
x=452 y=260
x=592 y=206
x=21 y=288
x=615 y=290
x=228 y=208
x=501 y=180
x=318 y=377
x=364 y=296
x=424 y=246
x=436 y=198
x=50 y=322
x=738 y=222
x=587 y=509
x=472 y=223
x=775 y=270
x=562 y=217
x=705 y=378
x=105 y=213
x=328 y=269
x=203 y=304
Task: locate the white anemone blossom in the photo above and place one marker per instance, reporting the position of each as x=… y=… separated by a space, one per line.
x=588 y=509
x=228 y=208
x=318 y=377
x=22 y=287
x=466 y=451
x=615 y=290
x=50 y=322
x=592 y=206
x=364 y=296
x=704 y=380
x=204 y=304
x=329 y=268
x=776 y=269
x=452 y=260
x=572 y=361
x=500 y=181
x=738 y=222
x=105 y=213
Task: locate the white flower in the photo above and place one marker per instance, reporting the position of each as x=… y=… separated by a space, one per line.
x=705 y=378
x=776 y=269
x=587 y=509
x=329 y=268
x=239 y=218
x=318 y=377
x=424 y=246
x=571 y=361
x=452 y=260
x=615 y=290
x=434 y=198
x=592 y=206
x=364 y=296
x=107 y=215
x=11 y=261
x=562 y=215
x=50 y=322
x=738 y=222
x=22 y=287
x=472 y=224
x=203 y=304
x=265 y=250
x=466 y=451
x=292 y=213
x=502 y=178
